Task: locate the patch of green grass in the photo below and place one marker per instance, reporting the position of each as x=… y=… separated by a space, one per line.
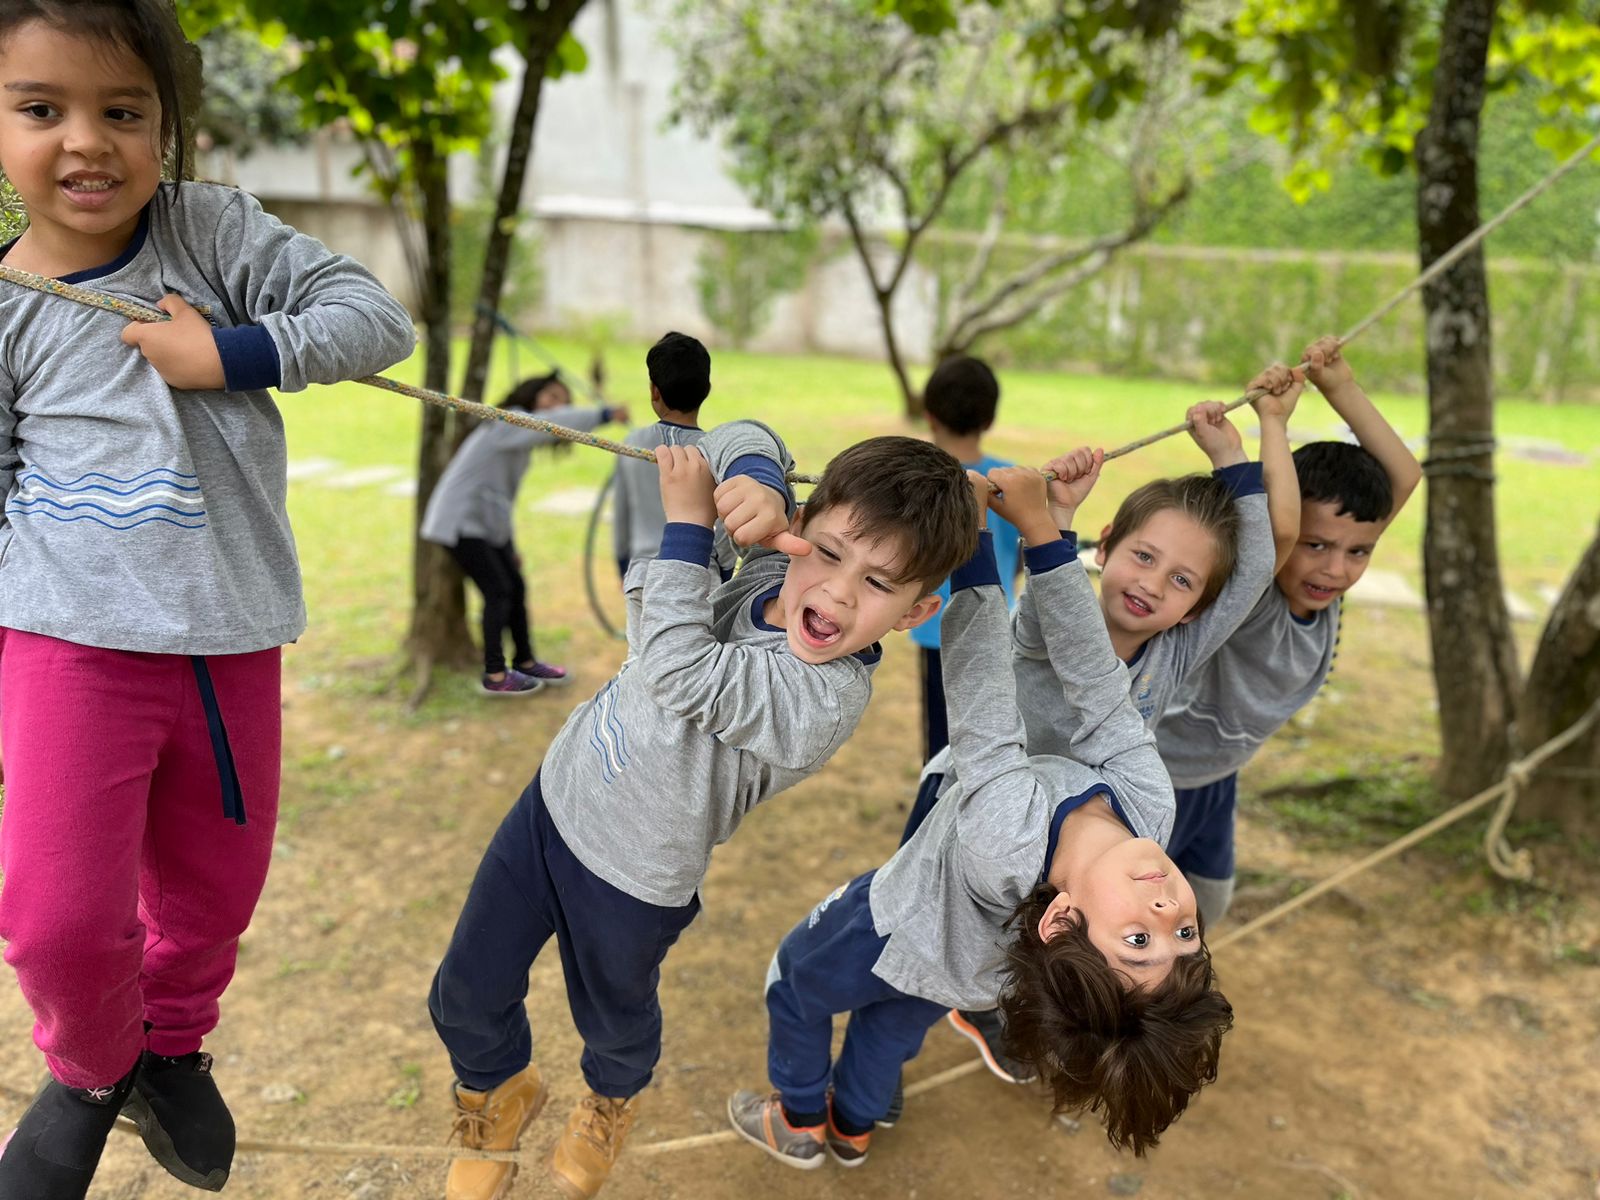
x=410 y=1089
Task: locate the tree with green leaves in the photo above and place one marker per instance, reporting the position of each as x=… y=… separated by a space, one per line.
x=413 y=82
x=831 y=110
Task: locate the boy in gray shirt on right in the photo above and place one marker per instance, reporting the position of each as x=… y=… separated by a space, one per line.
x=1275 y=662
x=680 y=380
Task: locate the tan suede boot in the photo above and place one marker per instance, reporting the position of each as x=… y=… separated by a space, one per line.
x=593 y=1139
x=492 y=1121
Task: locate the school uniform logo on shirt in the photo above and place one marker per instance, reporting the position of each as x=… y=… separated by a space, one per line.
x=816 y=913
x=1141 y=699
x=158 y=495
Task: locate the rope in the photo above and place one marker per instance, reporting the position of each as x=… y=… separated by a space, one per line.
x=1516 y=773
x=1516 y=776
x=139 y=312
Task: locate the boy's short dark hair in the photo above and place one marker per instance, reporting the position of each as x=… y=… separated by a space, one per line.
x=1135 y=1055
x=1205 y=499
x=908 y=488
x=1346 y=475
x=962 y=395
x=680 y=368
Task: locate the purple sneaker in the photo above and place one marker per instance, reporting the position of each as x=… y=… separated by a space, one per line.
x=548 y=674
x=514 y=684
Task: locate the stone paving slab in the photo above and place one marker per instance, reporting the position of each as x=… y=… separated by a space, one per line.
x=569 y=502
x=362 y=477
x=307 y=468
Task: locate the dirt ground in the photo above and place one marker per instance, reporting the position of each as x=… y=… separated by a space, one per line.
x=1401 y=1038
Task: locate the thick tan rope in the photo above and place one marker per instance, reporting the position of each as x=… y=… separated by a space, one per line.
x=141 y=312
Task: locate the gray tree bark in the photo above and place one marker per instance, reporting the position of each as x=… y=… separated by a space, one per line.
x=1474 y=657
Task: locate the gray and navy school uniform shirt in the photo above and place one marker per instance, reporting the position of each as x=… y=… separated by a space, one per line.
x=477 y=493
x=943 y=900
x=710 y=718
x=637 y=517
x=1159 y=669
x=142 y=518
x=1266 y=672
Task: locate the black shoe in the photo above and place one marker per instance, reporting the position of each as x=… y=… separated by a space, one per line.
x=54 y=1150
x=182 y=1119
x=897 y=1106
x=985 y=1031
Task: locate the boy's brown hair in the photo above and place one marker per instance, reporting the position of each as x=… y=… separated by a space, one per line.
x=1207 y=501
x=905 y=488
x=1136 y=1055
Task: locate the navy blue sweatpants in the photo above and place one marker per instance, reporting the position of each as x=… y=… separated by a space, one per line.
x=528 y=887
x=824 y=967
x=1202 y=833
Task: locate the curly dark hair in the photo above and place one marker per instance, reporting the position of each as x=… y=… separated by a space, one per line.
x=1134 y=1055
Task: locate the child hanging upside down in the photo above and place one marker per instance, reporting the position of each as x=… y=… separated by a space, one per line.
x=1184 y=561
x=736 y=693
x=1038 y=878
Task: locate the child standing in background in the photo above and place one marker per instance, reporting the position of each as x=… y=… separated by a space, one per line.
x=470 y=514
x=149 y=577
x=961 y=399
x=680 y=380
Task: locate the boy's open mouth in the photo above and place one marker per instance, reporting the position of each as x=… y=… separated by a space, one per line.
x=1320 y=593
x=817 y=630
x=89 y=191
x=1135 y=605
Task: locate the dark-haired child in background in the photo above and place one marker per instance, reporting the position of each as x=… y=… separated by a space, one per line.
x=1275 y=662
x=961 y=399
x=470 y=514
x=680 y=380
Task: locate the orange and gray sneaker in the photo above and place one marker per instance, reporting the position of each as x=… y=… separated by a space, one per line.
x=492 y=1120
x=760 y=1121
x=986 y=1031
x=846 y=1149
x=588 y=1149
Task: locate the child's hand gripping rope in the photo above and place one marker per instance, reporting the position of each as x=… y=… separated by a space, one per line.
x=1039 y=504
x=687 y=488
x=1279 y=387
x=183 y=350
x=1326 y=367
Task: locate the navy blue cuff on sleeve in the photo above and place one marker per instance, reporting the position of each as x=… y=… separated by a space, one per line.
x=684 y=541
x=1051 y=555
x=762 y=470
x=249 y=358
x=1243 y=479
x=980 y=570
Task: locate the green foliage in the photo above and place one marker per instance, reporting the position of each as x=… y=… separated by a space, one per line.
x=244 y=106
x=1217 y=317
x=13 y=220
x=740 y=274
x=469 y=237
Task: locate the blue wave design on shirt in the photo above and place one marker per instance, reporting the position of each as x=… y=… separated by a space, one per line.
x=145 y=498
x=115 y=479
x=98 y=521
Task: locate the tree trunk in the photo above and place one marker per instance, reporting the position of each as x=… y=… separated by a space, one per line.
x=438 y=616
x=1474 y=657
x=1562 y=684
x=543 y=33
x=909 y=396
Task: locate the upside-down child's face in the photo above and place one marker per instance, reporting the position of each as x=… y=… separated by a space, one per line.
x=1140 y=910
x=80 y=132
x=1333 y=552
x=1153 y=577
x=842 y=597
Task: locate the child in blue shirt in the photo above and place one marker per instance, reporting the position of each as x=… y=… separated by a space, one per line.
x=960 y=399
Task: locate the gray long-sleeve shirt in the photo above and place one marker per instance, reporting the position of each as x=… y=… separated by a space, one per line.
x=1265 y=673
x=477 y=494
x=637 y=517
x=944 y=898
x=712 y=717
x=142 y=518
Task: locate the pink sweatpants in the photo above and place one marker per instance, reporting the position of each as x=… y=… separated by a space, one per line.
x=126 y=888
